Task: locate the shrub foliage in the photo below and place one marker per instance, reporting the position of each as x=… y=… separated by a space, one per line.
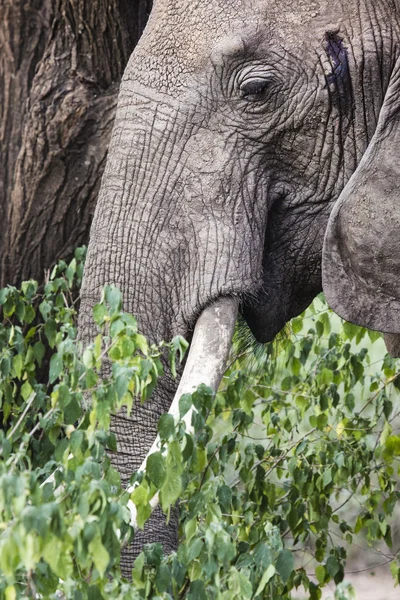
x=299 y=432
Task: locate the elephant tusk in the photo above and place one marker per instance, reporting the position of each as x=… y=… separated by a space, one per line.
x=206 y=363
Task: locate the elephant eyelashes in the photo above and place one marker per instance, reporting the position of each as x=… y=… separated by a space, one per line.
x=254 y=90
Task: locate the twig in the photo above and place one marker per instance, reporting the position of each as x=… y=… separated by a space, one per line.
x=361 y=570
x=49 y=412
x=385 y=383
x=27 y=407
x=347 y=500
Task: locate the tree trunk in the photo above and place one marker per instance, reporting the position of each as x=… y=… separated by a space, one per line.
x=61 y=62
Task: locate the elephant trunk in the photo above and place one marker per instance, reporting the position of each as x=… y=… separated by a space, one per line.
x=169 y=255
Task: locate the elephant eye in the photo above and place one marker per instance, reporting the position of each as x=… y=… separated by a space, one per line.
x=254 y=90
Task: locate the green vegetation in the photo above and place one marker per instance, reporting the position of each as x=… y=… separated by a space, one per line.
x=298 y=430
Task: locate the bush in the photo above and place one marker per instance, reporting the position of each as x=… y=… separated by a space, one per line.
x=298 y=430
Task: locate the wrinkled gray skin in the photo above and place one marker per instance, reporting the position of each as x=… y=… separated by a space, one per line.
x=239 y=125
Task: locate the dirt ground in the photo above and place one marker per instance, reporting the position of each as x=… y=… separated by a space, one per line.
x=377 y=585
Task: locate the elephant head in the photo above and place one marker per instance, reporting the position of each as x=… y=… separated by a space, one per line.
x=239 y=124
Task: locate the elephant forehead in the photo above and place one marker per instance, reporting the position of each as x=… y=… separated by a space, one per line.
x=183 y=35
x=180 y=36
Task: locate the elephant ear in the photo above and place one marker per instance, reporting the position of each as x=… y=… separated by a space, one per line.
x=361 y=255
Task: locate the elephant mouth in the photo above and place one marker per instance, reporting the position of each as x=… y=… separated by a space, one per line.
x=206 y=363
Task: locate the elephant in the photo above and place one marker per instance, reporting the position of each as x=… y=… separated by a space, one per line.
x=252 y=163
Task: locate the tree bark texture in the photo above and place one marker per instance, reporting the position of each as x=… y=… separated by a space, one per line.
x=61 y=62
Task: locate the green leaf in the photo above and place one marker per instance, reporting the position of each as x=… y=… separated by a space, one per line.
x=113 y=298
x=123 y=376
x=266 y=578
x=320 y=574
x=285 y=565
x=224 y=495
x=374 y=335
x=226 y=549
x=325 y=377
x=60 y=562
x=193 y=549
x=140 y=495
x=358 y=367
x=262 y=556
x=350 y=402
x=26 y=390
x=171 y=489
x=163 y=579
x=116 y=328
x=155 y=469
x=10 y=593
x=239 y=585
x=38 y=352
x=166 y=426
x=18 y=364
x=29 y=314
x=392 y=445
x=297 y=325
x=76 y=442
x=350 y=330
x=185 y=404
x=178 y=345
x=3 y=296
x=395 y=571
x=143 y=514
x=72 y=411
x=99 y=555
x=320 y=328
x=70 y=271
x=50 y=330
x=325 y=320
x=327 y=477
x=332 y=566
x=137 y=571
x=345 y=591
x=387 y=408
x=99 y=313
x=197 y=591
x=296 y=365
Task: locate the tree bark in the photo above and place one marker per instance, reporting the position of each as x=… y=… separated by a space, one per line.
x=61 y=62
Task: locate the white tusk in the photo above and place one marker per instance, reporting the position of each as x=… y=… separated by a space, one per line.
x=206 y=363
